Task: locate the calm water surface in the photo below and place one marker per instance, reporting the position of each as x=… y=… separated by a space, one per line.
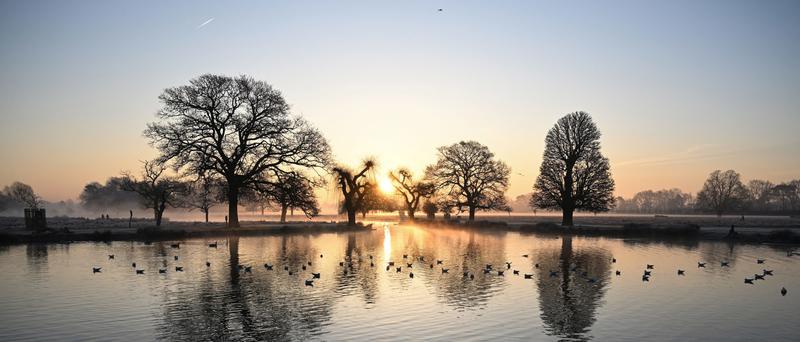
x=48 y=292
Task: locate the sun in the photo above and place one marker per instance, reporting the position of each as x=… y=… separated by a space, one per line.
x=385 y=184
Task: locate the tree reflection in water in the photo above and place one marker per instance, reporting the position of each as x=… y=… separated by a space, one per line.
x=569 y=300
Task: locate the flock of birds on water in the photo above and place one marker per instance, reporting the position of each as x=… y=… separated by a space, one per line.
x=488 y=269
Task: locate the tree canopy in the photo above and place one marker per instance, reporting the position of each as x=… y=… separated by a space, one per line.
x=722 y=192
x=574 y=175
x=237 y=128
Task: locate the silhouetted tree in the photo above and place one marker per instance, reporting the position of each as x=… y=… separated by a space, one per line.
x=156 y=190
x=430 y=209
x=759 y=194
x=237 y=128
x=722 y=192
x=574 y=175
x=202 y=193
x=23 y=193
x=375 y=200
x=354 y=186
x=412 y=191
x=293 y=191
x=787 y=196
x=467 y=175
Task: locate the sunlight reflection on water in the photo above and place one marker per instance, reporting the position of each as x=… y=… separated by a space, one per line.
x=48 y=292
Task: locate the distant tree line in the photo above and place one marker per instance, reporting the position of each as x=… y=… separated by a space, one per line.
x=722 y=193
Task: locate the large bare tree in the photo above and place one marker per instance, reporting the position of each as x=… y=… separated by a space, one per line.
x=722 y=192
x=354 y=187
x=574 y=175
x=156 y=190
x=238 y=128
x=23 y=193
x=412 y=191
x=468 y=176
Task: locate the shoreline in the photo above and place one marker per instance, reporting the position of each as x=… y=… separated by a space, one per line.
x=112 y=231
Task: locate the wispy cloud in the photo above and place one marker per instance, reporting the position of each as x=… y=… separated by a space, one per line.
x=206 y=22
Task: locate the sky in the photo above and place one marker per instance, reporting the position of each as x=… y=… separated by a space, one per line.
x=678 y=88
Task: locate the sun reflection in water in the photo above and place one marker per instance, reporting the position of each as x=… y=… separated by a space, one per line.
x=387 y=242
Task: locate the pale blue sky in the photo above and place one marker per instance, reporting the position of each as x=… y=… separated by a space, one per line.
x=678 y=88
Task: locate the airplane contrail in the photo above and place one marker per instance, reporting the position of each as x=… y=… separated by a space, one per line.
x=206 y=22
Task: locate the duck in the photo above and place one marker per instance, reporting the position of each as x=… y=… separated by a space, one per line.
x=421 y=258
x=175 y=245
x=371 y=264
x=290 y=272
x=645 y=278
x=303 y=267
x=178 y=268
x=176 y=257
x=341 y=263
x=162 y=270
x=528 y=276
x=783 y=291
x=508 y=264
x=387 y=267
x=466 y=274
x=553 y=273
x=701 y=264
x=748 y=280
x=268 y=267
x=96 y=269
x=248 y=269
x=391 y=263
x=139 y=271
x=399 y=269
x=444 y=270
x=431 y=266
x=647 y=273
x=759 y=276
x=208 y=264
x=618 y=272
x=212 y=245
x=405 y=256
x=760 y=261
x=649 y=267
x=309 y=282
x=320 y=256
x=681 y=272
x=411 y=274
x=408 y=265
x=370 y=257
x=488 y=266
x=309 y=263
x=111 y=256
x=516 y=272
x=438 y=262
x=536 y=265
x=315 y=275
x=613 y=260
x=767 y=272
x=471 y=276
x=724 y=264
x=500 y=273
x=133 y=265
x=285 y=268
x=524 y=255
x=486 y=271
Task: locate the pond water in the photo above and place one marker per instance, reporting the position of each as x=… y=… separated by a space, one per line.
x=49 y=291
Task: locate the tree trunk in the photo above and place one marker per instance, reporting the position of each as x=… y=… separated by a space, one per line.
x=351 y=217
x=410 y=213
x=566 y=217
x=472 y=213
x=233 y=206
x=283 y=213
x=206 y=212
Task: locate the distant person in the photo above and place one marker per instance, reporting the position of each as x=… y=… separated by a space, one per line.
x=742 y=217
x=732 y=232
x=130 y=220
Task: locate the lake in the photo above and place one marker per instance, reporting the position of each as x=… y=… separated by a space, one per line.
x=49 y=291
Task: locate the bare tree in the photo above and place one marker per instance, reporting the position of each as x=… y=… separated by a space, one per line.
x=467 y=175
x=237 y=128
x=156 y=190
x=412 y=191
x=759 y=193
x=23 y=193
x=202 y=194
x=293 y=191
x=574 y=175
x=430 y=209
x=722 y=192
x=354 y=187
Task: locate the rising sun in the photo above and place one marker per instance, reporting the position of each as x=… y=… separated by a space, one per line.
x=385 y=184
